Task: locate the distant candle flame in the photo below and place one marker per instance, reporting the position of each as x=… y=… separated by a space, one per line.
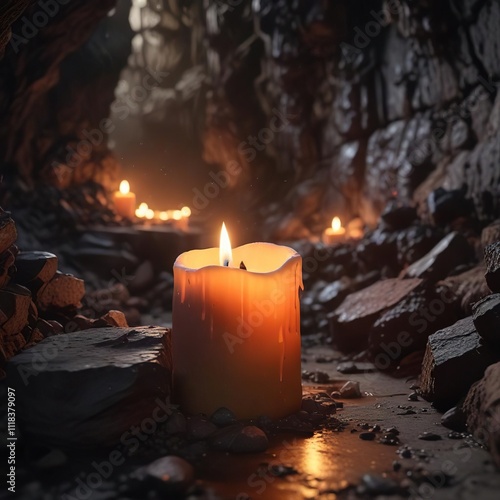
x=336 y=224
x=124 y=187
x=177 y=215
x=225 y=251
x=186 y=211
x=150 y=214
x=142 y=210
x=164 y=215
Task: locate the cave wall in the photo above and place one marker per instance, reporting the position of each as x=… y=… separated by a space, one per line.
x=60 y=66
x=382 y=99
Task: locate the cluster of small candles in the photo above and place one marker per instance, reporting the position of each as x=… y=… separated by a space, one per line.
x=125 y=205
x=337 y=233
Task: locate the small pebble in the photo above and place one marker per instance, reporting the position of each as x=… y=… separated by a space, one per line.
x=456 y=435
x=406 y=453
x=170 y=474
x=323 y=359
x=429 y=436
x=392 y=430
x=348 y=368
x=281 y=470
x=389 y=439
x=413 y=397
x=367 y=436
x=377 y=485
x=200 y=428
x=454 y=419
x=396 y=466
x=407 y=412
x=223 y=417
x=350 y=390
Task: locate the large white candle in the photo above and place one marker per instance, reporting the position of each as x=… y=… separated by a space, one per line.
x=236 y=332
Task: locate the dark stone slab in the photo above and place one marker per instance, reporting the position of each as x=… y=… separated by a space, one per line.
x=451 y=252
x=455 y=358
x=35 y=268
x=486 y=315
x=88 y=388
x=482 y=410
x=353 y=319
x=492 y=261
x=405 y=328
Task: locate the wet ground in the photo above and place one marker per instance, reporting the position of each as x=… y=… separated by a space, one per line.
x=331 y=465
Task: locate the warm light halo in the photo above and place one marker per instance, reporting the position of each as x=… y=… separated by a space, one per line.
x=186 y=211
x=225 y=250
x=177 y=215
x=336 y=224
x=124 y=187
x=199 y=260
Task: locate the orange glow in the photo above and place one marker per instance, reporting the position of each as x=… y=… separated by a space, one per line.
x=124 y=187
x=163 y=215
x=186 y=211
x=150 y=214
x=225 y=250
x=177 y=215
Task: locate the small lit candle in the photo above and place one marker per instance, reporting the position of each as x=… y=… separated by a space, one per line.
x=334 y=234
x=140 y=213
x=236 y=330
x=355 y=229
x=125 y=201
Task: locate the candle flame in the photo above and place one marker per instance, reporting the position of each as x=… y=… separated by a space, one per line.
x=186 y=211
x=142 y=210
x=124 y=187
x=336 y=224
x=177 y=215
x=225 y=251
x=150 y=214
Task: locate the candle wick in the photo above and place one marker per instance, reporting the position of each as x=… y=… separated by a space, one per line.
x=226 y=263
x=242 y=266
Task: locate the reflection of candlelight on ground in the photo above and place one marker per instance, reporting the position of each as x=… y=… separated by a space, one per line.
x=237 y=332
x=124 y=201
x=334 y=234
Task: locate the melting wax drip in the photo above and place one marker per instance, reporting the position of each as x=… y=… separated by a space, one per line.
x=203 y=298
x=183 y=289
x=281 y=341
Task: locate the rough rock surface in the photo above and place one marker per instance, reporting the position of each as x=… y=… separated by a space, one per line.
x=492 y=261
x=482 y=410
x=486 y=315
x=88 y=388
x=384 y=105
x=451 y=252
x=455 y=358
x=353 y=319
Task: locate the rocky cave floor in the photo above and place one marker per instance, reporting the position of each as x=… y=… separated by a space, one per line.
x=421 y=459
x=396 y=286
